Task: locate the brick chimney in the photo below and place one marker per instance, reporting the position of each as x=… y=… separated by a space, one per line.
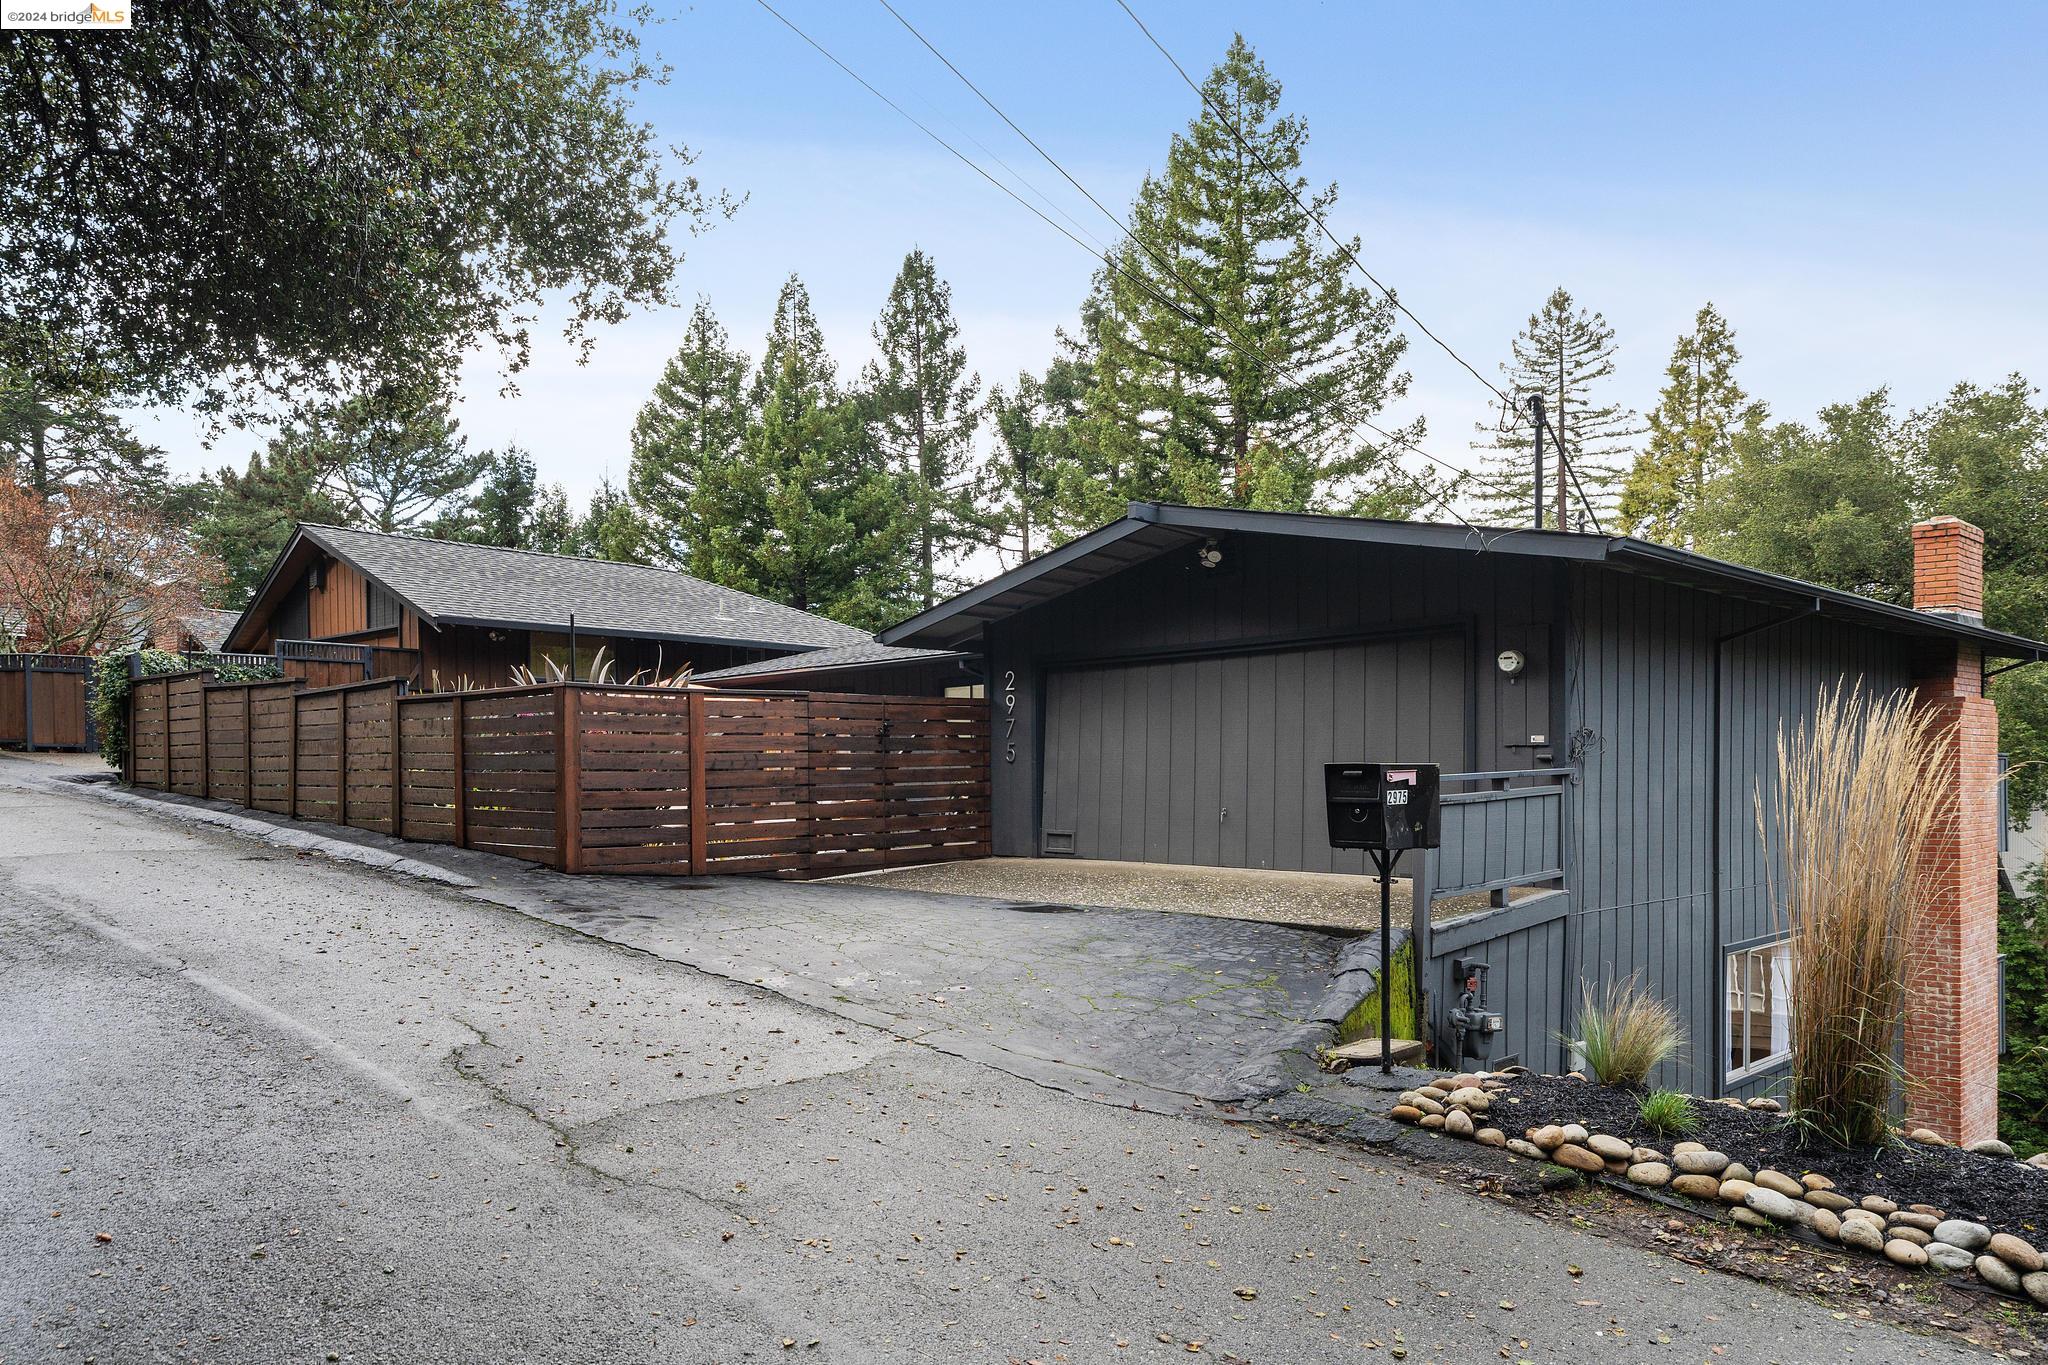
x=1951 y=1043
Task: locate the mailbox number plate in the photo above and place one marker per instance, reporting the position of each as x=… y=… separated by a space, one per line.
x=1397 y=796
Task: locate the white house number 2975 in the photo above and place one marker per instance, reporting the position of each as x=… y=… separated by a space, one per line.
x=1009 y=716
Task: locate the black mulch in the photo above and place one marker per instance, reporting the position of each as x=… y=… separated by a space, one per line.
x=2004 y=1194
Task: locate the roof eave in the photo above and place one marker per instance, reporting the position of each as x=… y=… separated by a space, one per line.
x=628 y=633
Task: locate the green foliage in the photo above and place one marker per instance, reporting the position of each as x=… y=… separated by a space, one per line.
x=63 y=428
x=696 y=419
x=511 y=508
x=1692 y=431
x=921 y=414
x=1566 y=354
x=111 y=684
x=2023 y=1072
x=244 y=519
x=1231 y=353
x=1363 y=1019
x=248 y=200
x=1023 y=502
x=391 y=455
x=1625 y=1033
x=610 y=528
x=804 y=513
x=1668 y=1112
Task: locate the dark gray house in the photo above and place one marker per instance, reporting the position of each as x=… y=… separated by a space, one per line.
x=1168 y=687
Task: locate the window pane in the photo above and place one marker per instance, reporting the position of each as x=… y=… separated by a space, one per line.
x=1771 y=1033
x=1738 y=1011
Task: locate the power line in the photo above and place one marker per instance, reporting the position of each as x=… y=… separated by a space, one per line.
x=1462 y=475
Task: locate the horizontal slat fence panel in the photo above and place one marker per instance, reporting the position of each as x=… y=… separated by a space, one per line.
x=592 y=778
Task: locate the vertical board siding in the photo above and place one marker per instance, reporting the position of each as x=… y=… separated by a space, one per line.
x=1523 y=948
x=1640 y=694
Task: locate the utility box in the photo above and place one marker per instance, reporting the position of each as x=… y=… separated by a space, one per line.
x=1391 y=806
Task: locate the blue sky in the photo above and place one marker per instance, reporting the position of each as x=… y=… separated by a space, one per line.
x=1858 y=187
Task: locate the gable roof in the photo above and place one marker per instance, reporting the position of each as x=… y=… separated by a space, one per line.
x=870 y=654
x=1151 y=529
x=450 y=582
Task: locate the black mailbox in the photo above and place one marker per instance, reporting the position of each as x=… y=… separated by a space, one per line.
x=1389 y=806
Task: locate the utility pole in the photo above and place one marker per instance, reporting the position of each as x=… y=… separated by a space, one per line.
x=1536 y=412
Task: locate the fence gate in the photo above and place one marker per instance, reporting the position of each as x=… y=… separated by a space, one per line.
x=44 y=701
x=1502 y=855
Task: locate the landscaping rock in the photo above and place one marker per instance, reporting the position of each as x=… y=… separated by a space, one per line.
x=1764 y=1104
x=1863 y=1236
x=1863 y=1216
x=1960 y=1232
x=1953 y=1259
x=1878 y=1204
x=1828 y=1199
x=1916 y=1236
x=1426 y=1104
x=1773 y=1204
x=1906 y=1218
x=1612 y=1148
x=1826 y=1224
x=2016 y=1252
x=1549 y=1137
x=1735 y=1191
x=1989 y=1147
x=1751 y=1218
x=2036 y=1286
x=1696 y=1186
x=1458 y=1123
x=1405 y=1113
x=1998 y=1275
x=1524 y=1148
x=1556 y=1177
x=1780 y=1182
x=1645 y=1154
x=1901 y=1252
x=1472 y=1097
x=1814 y=1180
x=1930 y=1210
x=1490 y=1137
x=1735 y=1170
x=1683 y=1147
x=1578 y=1159
x=2039 y=1161
x=1654 y=1174
x=1576 y=1132
x=1928 y=1136
x=1701 y=1162
x=1432 y=1120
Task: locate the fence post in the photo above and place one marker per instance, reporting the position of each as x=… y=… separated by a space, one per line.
x=28 y=703
x=167 y=785
x=700 y=795
x=128 y=750
x=341 y=758
x=291 y=760
x=248 y=752
x=568 y=779
x=397 y=773
x=205 y=742
x=459 y=711
x=805 y=789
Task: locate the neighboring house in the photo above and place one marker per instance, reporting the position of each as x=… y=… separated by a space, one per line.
x=459 y=611
x=1168 y=688
x=203 y=631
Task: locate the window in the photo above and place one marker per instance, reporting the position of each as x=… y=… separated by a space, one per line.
x=968 y=691
x=547 y=652
x=1759 y=1007
x=380 y=607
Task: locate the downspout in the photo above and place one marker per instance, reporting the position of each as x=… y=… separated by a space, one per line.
x=1714 y=875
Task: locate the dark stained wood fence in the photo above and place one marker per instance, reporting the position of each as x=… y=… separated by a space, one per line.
x=585 y=777
x=43 y=701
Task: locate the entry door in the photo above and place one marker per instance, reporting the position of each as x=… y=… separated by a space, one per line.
x=1219 y=761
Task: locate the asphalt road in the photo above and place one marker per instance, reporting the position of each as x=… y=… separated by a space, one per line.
x=265 y=1107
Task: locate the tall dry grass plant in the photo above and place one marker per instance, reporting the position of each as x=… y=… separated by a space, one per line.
x=1844 y=831
x=1625 y=1032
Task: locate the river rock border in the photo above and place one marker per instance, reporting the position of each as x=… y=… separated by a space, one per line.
x=1912 y=1236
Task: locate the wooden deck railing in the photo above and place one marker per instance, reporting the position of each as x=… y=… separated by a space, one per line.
x=586 y=777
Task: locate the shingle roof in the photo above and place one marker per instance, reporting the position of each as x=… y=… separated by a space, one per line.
x=209 y=626
x=870 y=654
x=452 y=582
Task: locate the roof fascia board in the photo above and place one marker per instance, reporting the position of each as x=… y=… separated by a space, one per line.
x=620 y=633
x=342 y=555
x=292 y=543
x=1410 y=534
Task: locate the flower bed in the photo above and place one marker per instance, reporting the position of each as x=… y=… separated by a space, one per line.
x=1917 y=1204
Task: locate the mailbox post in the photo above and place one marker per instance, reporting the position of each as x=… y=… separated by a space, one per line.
x=1385 y=809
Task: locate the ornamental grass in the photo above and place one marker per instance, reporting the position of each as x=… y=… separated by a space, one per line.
x=1625 y=1032
x=1844 y=829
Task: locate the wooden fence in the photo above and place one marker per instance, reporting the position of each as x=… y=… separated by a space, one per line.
x=43 y=701
x=585 y=777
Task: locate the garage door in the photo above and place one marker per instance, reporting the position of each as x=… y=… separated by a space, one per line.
x=1219 y=761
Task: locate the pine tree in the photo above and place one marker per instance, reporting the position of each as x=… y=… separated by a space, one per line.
x=1020 y=488
x=393 y=456
x=804 y=514
x=1699 y=413
x=1566 y=354
x=511 y=508
x=1232 y=356
x=244 y=519
x=52 y=434
x=610 y=528
x=696 y=417
x=921 y=414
